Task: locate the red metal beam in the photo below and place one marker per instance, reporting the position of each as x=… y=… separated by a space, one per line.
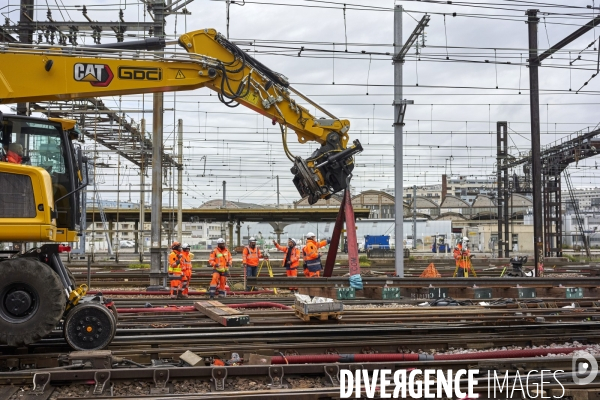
x=346 y=214
x=335 y=240
x=353 y=263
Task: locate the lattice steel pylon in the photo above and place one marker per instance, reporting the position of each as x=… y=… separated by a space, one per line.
x=552 y=210
x=575 y=203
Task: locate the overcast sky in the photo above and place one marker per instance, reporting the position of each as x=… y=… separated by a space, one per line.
x=471 y=73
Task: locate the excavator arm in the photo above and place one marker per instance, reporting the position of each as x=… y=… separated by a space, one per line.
x=29 y=74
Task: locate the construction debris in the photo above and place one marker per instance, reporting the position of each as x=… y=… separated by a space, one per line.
x=192 y=359
x=321 y=308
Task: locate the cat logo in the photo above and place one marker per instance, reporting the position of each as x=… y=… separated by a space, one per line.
x=140 y=73
x=96 y=74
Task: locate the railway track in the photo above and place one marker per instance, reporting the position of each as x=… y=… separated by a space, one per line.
x=148 y=344
x=302 y=381
x=377 y=329
x=489 y=268
x=421 y=282
x=140 y=279
x=144 y=358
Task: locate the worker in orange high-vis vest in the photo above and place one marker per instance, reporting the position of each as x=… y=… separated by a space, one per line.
x=312 y=257
x=220 y=260
x=462 y=256
x=291 y=258
x=250 y=257
x=175 y=268
x=186 y=269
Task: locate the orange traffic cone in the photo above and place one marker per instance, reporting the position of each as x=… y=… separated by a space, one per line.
x=430 y=272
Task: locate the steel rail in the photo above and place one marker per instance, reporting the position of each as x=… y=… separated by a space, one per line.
x=426 y=282
x=86 y=375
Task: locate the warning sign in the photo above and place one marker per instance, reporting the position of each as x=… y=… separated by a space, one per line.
x=179 y=75
x=252 y=98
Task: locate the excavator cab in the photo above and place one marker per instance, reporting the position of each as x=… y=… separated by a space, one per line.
x=27 y=142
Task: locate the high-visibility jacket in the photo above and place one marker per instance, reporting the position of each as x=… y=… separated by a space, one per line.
x=175 y=268
x=220 y=260
x=13 y=157
x=186 y=264
x=462 y=257
x=250 y=256
x=294 y=256
x=311 y=255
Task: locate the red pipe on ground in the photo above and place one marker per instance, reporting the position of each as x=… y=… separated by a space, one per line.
x=340 y=358
x=167 y=293
x=172 y=309
x=392 y=357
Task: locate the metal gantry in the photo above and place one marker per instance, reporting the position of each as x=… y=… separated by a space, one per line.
x=108 y=127
x=554 y=158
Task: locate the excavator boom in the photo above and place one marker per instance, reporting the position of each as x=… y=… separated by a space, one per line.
x=29 y=74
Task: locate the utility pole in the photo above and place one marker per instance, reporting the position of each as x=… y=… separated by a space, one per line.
x=25 y=36
x=414 y=219
x=180 y=180
x=398 y=146
x=156 y=201
x=534 y=104
x=277 y=191
x=158 y=7
x=223 y=232
x=400 y=104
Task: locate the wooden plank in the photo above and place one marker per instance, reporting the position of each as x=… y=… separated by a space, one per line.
x=222 y=314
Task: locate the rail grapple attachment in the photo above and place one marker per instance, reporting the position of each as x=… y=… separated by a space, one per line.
x=517 y=268
x=327 y=171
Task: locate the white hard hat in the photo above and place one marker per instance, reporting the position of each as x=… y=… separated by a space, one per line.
x=292 y=240
x=310 y=234
x=185 y=246
x=220 y=240
x=252 y=239
x=465 y=239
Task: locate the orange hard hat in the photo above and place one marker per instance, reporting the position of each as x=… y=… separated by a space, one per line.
x=175 y=244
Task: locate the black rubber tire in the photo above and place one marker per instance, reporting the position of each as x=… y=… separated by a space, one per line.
x=95 y=317
x=50 y=300
x=114 y=312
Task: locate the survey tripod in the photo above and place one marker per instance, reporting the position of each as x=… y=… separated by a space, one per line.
x=464 y=260
x=269 y=270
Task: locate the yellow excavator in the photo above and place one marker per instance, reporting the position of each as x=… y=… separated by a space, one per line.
x=41 y=168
